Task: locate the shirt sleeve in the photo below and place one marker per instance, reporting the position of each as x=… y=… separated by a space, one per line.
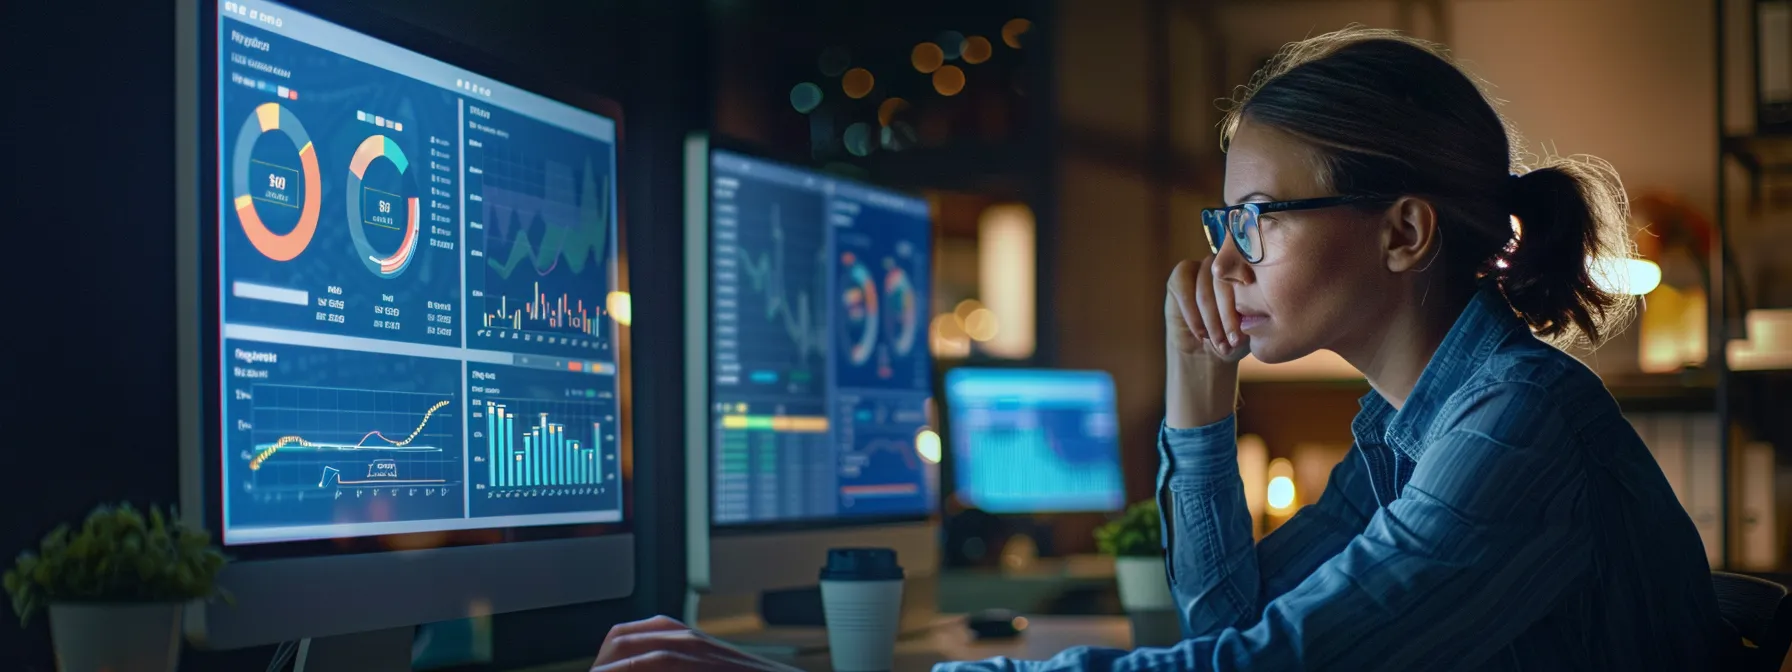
x=1488 y=536
x=1219 y=575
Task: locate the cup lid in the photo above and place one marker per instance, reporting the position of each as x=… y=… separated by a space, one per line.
x=861 y=564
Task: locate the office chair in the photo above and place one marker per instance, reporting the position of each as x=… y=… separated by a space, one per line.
x=1760 y=612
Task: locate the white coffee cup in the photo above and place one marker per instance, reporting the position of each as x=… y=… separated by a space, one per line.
x=861 y=595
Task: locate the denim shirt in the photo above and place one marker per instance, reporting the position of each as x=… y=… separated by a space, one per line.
x=1506 y=517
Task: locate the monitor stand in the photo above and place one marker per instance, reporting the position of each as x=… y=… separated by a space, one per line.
x=373 y=651
x=790 y=623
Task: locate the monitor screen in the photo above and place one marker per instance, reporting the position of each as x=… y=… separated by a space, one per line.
x=820 y=371
x=1034 y=440
x=415 y=270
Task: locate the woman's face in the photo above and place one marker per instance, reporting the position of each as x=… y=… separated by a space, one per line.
x=1322 y=277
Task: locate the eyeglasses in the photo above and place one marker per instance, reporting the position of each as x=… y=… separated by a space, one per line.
x=1240 y=221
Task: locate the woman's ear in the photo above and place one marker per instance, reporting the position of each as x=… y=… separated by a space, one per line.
x=1412 y=240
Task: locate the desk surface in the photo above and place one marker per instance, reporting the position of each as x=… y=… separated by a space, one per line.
x=1045 y=637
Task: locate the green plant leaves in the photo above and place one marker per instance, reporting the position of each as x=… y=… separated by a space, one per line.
x=1137 y=532
x=119 y=555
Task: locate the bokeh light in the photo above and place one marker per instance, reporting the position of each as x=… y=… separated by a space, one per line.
x=977 y=49
x=948 y=80
x=951 y=43
x=834 y=60
x=927 y=445
x=805 y=97
x=898 y=136
x=621 y=309
x=887 y=111
x=858 y=139
x=857 y=83
x=1013 y=30
x=981 y=324
x=1281 y=492
x=927 y=57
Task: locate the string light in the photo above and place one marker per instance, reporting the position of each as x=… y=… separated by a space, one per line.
x=948 y=80
x=887 y=111
x=977 y=49
x=805 y=97
x=857 y=83
x=1012 y=31
x=927 y=57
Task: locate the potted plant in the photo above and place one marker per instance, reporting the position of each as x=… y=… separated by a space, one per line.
x=1135 y=539
x=115 y=588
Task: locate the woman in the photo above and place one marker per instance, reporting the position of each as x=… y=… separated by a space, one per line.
x=1497 y=512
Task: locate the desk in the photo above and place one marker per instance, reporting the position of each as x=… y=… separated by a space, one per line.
x=1044 y=638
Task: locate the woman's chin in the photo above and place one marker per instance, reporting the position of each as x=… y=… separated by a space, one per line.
x=1265 y=351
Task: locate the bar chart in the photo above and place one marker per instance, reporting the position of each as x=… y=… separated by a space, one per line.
x=537 y=450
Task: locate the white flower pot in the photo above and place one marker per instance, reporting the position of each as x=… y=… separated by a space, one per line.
x=1145 y=594
x=116 y=637
x=1143 y=584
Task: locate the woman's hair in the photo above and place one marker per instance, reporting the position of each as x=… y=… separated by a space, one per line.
x=1392 y=115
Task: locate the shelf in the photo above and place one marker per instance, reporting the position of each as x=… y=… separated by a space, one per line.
x=1690 y=390
x=1762 y=154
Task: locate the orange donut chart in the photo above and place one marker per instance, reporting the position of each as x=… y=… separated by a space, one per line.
x=276 y=246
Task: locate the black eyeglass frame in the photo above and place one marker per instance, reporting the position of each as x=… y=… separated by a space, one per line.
x=1218 y=223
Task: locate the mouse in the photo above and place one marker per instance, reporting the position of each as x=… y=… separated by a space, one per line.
x=996 y=624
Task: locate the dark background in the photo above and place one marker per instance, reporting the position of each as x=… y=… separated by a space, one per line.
x=89 y=402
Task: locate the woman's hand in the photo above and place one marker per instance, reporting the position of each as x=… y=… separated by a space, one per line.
x=661 y=643
x=1205 y=345
x=1199 y=314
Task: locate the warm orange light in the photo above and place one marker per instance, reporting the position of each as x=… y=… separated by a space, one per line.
x=1012 y=31
x=887 y=111
x=977 y=49
x=857 y=83
x=927 y=57
x=948 y=80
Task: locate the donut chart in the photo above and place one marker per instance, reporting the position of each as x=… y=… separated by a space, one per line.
x=903 y=319
x=360 y=216
x=861 y=302
x=280 y=188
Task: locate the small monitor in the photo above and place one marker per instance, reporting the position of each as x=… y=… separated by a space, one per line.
x=1034 y=440
x=403 y=355
x=810 y=375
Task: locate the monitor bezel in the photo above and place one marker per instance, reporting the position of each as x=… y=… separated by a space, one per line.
x=203 y=499
x=949 y=485
x=699 y=305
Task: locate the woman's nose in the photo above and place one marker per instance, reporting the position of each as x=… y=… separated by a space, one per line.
x=1229 y=264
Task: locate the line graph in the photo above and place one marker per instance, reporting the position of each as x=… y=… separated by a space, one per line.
x=306 y=438
x=801 y=317
x=360 y=444
x=769 y=273
x=571 y=231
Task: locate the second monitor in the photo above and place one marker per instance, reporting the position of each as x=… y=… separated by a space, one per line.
x=809 y=372
x=1034 y=440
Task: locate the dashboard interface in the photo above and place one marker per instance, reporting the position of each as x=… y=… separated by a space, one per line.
x=1034 y=440
x=820 y=366
x=417 y=268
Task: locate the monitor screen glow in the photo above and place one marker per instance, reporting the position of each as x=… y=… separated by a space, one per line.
x=414 y=266
x=1034 y=440
x=820 y=372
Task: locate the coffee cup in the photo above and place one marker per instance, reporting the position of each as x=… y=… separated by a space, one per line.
x=861 y=596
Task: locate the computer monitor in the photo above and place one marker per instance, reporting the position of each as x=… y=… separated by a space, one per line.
x=1034 y=440
x=809 y=372
x=403 y=368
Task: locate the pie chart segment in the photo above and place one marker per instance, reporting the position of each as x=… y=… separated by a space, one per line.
x=271 y=184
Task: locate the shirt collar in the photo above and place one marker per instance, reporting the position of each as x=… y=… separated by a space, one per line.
x=1483 y=324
